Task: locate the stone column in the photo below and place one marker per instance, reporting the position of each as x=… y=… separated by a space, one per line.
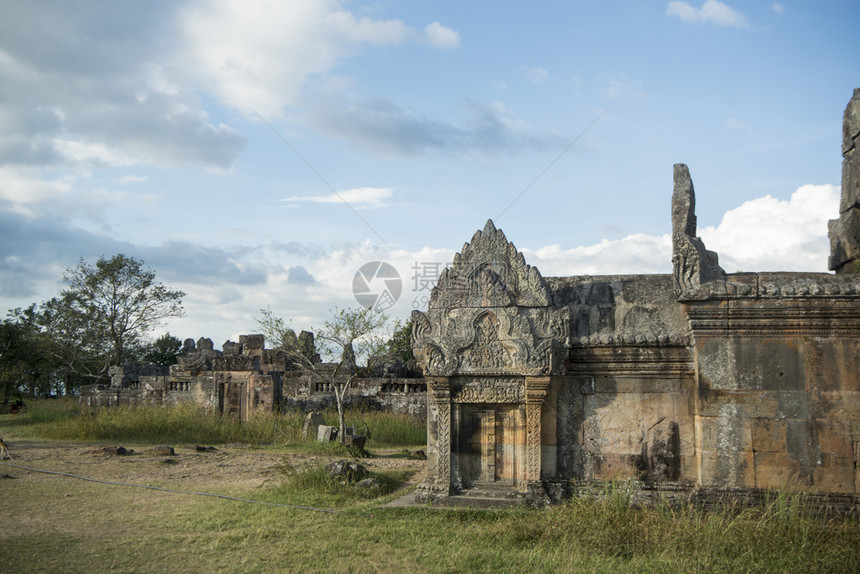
x=437 y=485
x=536 y=388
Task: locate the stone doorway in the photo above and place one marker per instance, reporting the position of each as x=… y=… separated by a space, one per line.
x=230 y=399
x=493 y=437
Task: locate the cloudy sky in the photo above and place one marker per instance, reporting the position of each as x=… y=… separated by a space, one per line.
x=258 y=153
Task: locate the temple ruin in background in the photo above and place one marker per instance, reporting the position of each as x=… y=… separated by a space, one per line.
x=245 y=379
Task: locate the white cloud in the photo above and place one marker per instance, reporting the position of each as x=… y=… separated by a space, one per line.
x=72 y=93
x=711 y=12
x=22 y=188
x=620 y=85
x=778 y=8
x=360 y=196
x=537 y=75
x=86 y=152
x=440 y=36
x=256 y=56
x=763 y=234
x=637 y=253
x=133 y=179
x=768 y=234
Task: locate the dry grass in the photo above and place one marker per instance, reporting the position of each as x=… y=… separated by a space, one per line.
x=58 y=524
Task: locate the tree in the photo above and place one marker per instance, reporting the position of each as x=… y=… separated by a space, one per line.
x=163 y=351
x=352 y=335
x=25 y=364
x=77 y=346
x=400 y=344
x=121 y=301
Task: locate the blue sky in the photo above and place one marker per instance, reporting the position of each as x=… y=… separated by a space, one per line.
x=209 y=139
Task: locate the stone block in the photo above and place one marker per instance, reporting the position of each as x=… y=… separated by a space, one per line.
x=850 y=181
x=744 y=364
x=728 y=469
x=252 y=342
x=844 y=236
x=312 y=423
x=835 y=474
x=748 y=405
x=326 y=433
x=777 y=470
x=726 y=433
x=834 y=438
x=768 y=435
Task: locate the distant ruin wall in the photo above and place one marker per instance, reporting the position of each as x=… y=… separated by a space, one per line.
x=245 y=378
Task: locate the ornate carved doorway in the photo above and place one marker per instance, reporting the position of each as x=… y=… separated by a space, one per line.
x=491 y=439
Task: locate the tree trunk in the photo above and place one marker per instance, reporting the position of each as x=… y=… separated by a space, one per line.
x=338 y=395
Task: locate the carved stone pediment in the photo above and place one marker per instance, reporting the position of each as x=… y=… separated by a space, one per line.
x=490 y=314
x=500 y=341
x=490 y=272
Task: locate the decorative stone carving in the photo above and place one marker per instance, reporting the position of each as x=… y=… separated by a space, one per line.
x=500 y=341
x=489 y=390
x=693 y=265
x=486 y=352
x=490 y=314
x=535 y=394
x=490 y=272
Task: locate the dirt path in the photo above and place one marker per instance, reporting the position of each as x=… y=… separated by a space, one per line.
x=191 y=466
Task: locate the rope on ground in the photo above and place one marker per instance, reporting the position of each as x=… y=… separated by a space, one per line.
x=170 y=489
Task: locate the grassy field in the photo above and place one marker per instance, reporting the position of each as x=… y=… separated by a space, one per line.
x=59 y=524
x=63 y=419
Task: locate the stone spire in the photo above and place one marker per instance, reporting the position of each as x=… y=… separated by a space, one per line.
x=845 y=231
x=693 y=265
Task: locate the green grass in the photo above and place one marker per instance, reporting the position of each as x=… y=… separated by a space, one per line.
x=314 y=486
x=64 y=419
x=92 y=528
x=59 y=524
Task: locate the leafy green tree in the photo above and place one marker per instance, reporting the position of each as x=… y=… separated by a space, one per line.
x=121 y=301
x=77 y=346
x=163 y=351
x=350 y=336
x=24 y=363
x=400 y=344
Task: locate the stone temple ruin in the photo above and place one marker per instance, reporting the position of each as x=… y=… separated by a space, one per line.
x=245 y=379
x=693 y=383
x=697 y=381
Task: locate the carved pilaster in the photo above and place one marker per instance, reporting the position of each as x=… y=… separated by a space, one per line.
x=536 y=388
x=440 y=395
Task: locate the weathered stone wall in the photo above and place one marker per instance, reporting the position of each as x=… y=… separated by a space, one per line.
x=778 y=394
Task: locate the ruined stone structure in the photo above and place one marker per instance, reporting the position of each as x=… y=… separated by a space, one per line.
x=245 y=378
x=845 y=231
x=699 y=380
